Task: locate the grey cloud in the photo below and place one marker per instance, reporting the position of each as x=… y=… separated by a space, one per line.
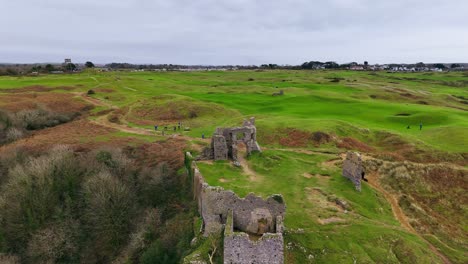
x=234 y=32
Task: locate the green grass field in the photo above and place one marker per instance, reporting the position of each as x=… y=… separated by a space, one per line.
x=361 y=105
x=311 y=101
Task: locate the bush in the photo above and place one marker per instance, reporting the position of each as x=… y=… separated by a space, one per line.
x=147 y=230
x=90 y=92
x=105 y=157
x=156 y=254
x=115 y=161
x=114 y=118
x=9 y=259
x=10 y=128
x=110 y=207
x=13 y=134
x=192 y=114
x=34 y=191
x=14 y=126
x=55 y=243
x=41 y=118
x=67 y=207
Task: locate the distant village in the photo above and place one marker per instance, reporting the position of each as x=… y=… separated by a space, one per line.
x=69 y=67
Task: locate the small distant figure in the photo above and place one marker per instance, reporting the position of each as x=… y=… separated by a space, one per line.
x=203 y=135
x=420 y=126
x=178 y=127
x=156 y=128
x=175 y=128
x=408 y=127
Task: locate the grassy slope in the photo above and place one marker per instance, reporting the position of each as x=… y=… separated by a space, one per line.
x=360 y=102
x=369 y=232
x=311 y=101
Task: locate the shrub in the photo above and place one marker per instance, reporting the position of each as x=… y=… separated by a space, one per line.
x=105 y=157
x=109 y=212
x=13 y=134
x=9 y=159
x=9 y=259
x=147 y=229
x=41 y=118
x=156 y=254
x=115 y=161
x=69 y=208
x=114 y=118
x=55 y=243
x=34 y=191
x=7 y=124
x=192 y=114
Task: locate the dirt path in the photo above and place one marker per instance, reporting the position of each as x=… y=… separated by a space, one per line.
x=104 y=121
x=94 y=101
x=373 y=181
x=396 y=209
x=253 y=176
x=399 y=215
x=303 y=151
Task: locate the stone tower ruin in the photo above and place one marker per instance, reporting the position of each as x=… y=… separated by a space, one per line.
x=353 y=169
x=225 y=140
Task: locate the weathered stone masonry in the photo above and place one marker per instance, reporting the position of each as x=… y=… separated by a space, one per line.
x=239 y=248
x=252 y=214
x=353 y=169
x=225 y=140
x=240 y=217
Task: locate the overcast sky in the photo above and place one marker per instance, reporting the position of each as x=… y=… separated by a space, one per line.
x=234 y=31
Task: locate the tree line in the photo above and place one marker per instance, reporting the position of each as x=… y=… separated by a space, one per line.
x=22 y=69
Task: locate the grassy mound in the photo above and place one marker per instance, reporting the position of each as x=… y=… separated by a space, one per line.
x=169 y=108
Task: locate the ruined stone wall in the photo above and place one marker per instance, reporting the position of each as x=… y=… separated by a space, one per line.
x=261 y=218
x=224 y=142
x=240 y=249
x=220 y=148
x=353 y=169
x=251 y=214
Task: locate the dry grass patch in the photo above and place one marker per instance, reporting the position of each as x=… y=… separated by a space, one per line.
x=56 y=102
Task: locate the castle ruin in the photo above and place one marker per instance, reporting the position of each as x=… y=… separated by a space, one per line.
x=242 y=219
x=225 y=140
x=353 y=169
x=240 y=248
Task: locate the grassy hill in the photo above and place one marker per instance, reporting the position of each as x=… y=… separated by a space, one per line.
x=321 y=115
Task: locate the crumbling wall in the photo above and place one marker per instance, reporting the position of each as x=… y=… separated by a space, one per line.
x=251 y=214
x=219 y=146
x=353 y=169
x=224 y=141
x=240 y=249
